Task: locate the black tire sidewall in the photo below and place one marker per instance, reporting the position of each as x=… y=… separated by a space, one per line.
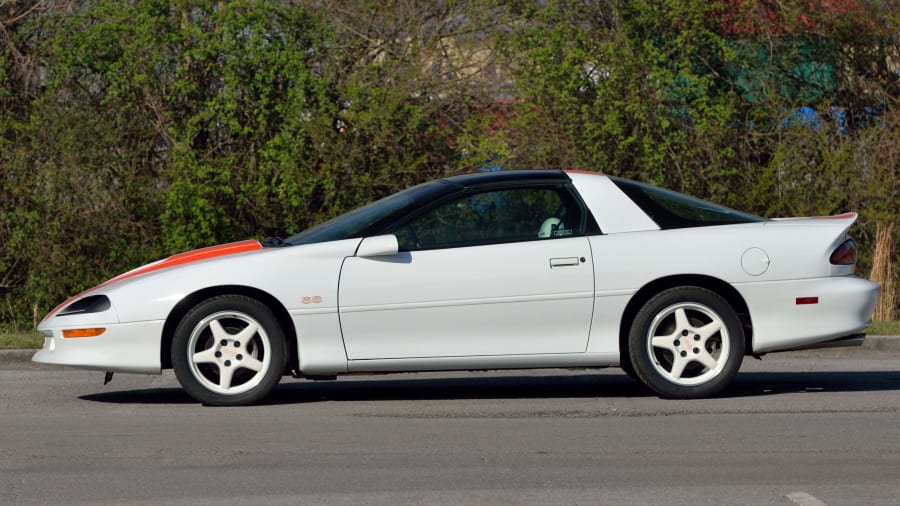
x=238 y=303
x=625 y=365
x=642 y=361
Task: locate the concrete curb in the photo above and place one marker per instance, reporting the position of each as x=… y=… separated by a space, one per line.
x=16 y=356
x=872 y=343
x=882 y=343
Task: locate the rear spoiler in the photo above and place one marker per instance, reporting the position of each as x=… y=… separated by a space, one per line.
x=840 y=224
x=845 y=219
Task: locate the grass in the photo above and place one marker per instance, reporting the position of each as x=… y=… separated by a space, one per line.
x=887 y=328
x=23 y=340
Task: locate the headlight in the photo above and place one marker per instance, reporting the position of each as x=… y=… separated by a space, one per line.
x=89 y=304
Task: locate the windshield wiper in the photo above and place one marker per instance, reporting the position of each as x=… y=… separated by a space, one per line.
x=274 y=242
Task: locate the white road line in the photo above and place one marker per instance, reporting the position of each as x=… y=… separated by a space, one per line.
x=804 y=499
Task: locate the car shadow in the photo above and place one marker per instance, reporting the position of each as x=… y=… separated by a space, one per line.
x=142 y=396
x=408 y=387
x=393 y=388
x=754 y=384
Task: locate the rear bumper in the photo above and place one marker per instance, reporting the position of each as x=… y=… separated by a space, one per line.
x=844 y=308
x=851 y=341
x=123 y=347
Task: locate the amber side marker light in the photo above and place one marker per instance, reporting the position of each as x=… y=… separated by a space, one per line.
x=83 y=332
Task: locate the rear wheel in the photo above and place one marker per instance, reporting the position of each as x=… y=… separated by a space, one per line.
x=229 y=350
x=686 y=342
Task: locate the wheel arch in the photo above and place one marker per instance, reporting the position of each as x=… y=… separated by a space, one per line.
x=716 y=285
x=191 y=300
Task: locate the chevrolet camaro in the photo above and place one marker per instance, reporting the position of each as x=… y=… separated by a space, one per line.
x=499 y=270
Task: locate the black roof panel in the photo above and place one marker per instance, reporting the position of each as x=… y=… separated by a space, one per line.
x=508 y=176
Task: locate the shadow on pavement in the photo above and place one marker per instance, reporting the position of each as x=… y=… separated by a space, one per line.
x=392 y=388
x=142 y=396
x=772 y=383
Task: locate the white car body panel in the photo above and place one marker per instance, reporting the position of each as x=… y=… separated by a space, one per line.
x=717 y=252
x=495 y=306
x=125 y=347
x=551 y=360
x=309 y=270
x=611 y=208
x=303 y=271
x=505 y=299
x=845 y=306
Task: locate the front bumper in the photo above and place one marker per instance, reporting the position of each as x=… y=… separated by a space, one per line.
x=123 y=347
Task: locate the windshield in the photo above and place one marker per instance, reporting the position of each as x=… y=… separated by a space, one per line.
x=675 y=210
x=371 y=218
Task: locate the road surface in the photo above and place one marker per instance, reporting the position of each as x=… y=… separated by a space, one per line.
x=812 y=429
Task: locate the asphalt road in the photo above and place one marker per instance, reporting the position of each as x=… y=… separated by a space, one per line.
x=812 y=429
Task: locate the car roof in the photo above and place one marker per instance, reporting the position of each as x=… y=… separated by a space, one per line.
x=508 y=177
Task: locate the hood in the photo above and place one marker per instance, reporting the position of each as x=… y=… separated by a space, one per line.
x=172 y=261
x=190 y=257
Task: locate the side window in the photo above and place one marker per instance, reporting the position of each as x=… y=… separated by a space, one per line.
x=495 y=216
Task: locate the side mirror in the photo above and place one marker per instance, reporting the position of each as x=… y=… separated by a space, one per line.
x=378 y=246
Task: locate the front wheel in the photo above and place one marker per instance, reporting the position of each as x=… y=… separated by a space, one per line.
x=686 y=343
x=228 y=351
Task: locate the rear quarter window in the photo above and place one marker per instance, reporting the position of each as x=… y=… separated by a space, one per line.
x=675 y=210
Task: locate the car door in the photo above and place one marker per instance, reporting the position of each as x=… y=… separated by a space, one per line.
x=494 y=271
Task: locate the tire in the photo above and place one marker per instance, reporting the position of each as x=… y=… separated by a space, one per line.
x=626 y=366
x=229 y=351
x=686 y=343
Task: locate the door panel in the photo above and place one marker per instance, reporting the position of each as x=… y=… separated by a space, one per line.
x=519 y=298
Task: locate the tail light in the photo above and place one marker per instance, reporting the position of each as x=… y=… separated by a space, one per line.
x=845 y=254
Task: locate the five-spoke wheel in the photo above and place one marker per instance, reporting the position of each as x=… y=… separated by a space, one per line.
x=686 y=342
x=229 y=350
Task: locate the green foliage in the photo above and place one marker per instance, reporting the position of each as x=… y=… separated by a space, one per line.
x=889 y=328
x=133 y=130
x=661 y=91
x=12 y=339
x=220 y=83
x=623 y=102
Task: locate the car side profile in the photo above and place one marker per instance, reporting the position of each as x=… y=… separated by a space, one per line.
x=500 y=270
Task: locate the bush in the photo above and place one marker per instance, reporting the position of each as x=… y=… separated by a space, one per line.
x=134 y=130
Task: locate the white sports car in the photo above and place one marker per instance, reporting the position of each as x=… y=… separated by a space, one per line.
x=500 y=270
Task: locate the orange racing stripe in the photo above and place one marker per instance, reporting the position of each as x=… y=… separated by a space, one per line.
x=174 y=260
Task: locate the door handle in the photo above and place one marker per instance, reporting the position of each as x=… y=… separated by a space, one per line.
x=563 y=262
